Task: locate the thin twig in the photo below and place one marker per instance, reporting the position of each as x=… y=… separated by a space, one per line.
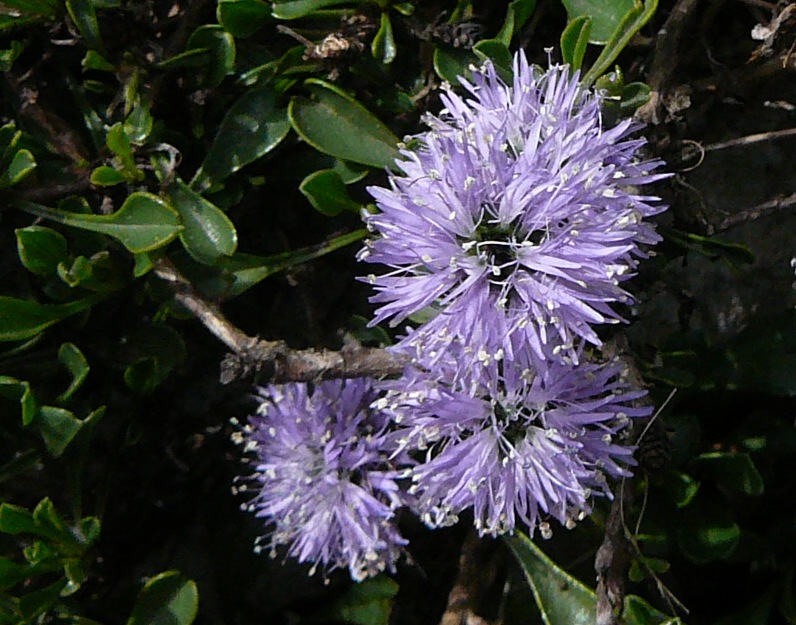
x=761 y=210
x=274 y=360
x=749 y=139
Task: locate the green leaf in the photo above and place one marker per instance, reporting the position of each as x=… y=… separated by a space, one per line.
x=16 y=520
x=94 y=60
x=560 y=597
x=36 y=603
x=21 y=319
x=243 y=18
x=57 y=427
x=605 y=16
x=166 y=599
x=681 y=487
x=734 y=472
x=383 y=46
x=292 y=9
x=208 y=234
x=119 y=143
x=221 y=46
x=14 y=389
x=41 y=249
x=517 y=14
x=198 y=57
x=450 y=63
x=84 y=17
x=327 y=193
x=630 y=24
x=565 y=600
x=574 y=40
x=9 y=55
x=12 y=573
x=21 y=166
x=253 y=126
x=106 y=176
x=499 y=54
x=336 y=124
x=143 y=223
x=77 y=365
x=367 y=603
x=708 y=531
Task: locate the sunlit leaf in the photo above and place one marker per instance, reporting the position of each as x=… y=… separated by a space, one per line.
x=383 y=46
x=292 y=9
x=207 y=234
x=574 y=40
x=605 y=15
x=327 y=193
x=41 y=249
x=143 y=223
x=21 y=166
x=336 y=124
x=166 y=599
x=253 y=126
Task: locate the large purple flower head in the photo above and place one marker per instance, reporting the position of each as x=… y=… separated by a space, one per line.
x=322 y=476
x=515 y=220
x=521 y=446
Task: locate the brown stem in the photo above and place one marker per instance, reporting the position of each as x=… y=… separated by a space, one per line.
x=274 y=360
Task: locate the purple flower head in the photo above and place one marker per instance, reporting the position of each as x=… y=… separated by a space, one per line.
x=515 y=220
x=323 y=477
x=522 y=446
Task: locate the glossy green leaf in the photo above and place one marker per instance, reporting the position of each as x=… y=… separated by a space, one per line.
x=734 y=472
x=327 y=193
x=383 y=46
x=119 y=143
x=143 y=223
x=57 y=426
x=500 y=56
x=207 y=234
x=139 y=123
x=628 y=26
x=336 y=124
x=106 y=176
x=367 y=603
x=708 y=531
x=292 y=9
x=221 y=45
x=197 y=57
x=21 y=319
x=41 y=249
x=605 y=15
x=253 y=126
x=14 y=389
x=75 y=362
x=564 y=600
x=450 y=63
x=166 y=599
x=560 y=597
x=84 y=17
x=21 y=166
x=243 y=18
x=574 y=40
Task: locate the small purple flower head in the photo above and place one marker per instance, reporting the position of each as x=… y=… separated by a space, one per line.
x=323 y=477
x=523 y=447
x=516 y=220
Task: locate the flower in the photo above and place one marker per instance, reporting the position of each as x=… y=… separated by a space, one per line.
x=515 y=220
x=322 y=476
x=522 y=446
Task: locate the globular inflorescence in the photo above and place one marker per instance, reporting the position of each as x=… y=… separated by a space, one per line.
x=502 y=240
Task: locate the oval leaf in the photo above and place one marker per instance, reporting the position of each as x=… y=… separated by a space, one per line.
x=292 y=9
x=21 y=166
x=243 y=18
x=253 y=126
x=383 y=46
x=143 y=223
x=167 y=599
x=222 y=51
x=208 y=234
x=708 y=531
x=450 y=63
x=41 y=249
x=327 y=193
x=21 y=319
x=605 y=16
x=336 y=124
